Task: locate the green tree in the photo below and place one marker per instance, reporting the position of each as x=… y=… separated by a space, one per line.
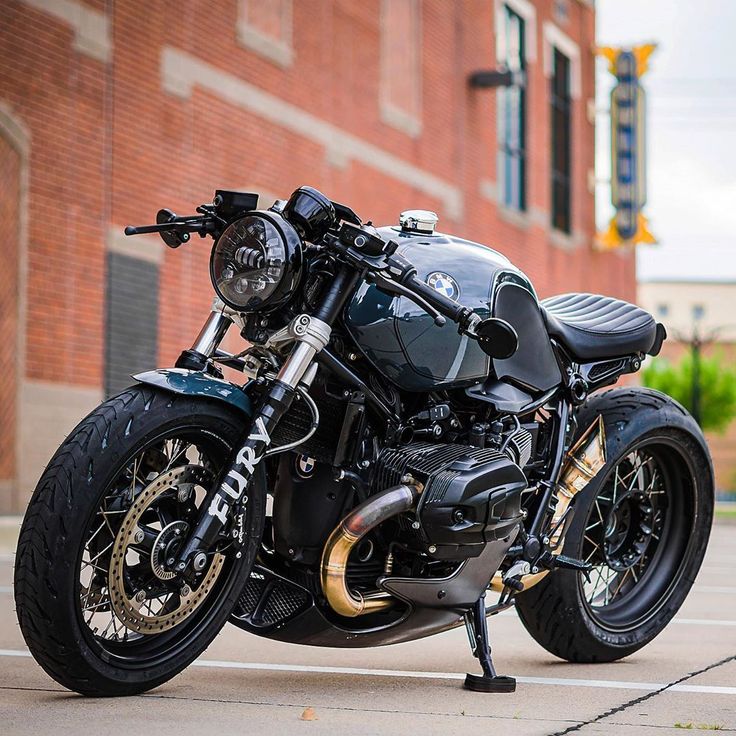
x=716 y=387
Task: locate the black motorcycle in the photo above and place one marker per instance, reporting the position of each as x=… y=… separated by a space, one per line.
x=415 y=430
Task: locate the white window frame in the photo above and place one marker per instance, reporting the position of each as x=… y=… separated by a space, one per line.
x=554 y=38
x=279 y=51
x=528 y=13
x=391 y=114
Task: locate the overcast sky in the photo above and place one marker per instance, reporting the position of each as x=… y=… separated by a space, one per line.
x=691 y=105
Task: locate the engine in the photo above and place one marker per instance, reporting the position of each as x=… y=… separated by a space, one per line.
x=471 y=495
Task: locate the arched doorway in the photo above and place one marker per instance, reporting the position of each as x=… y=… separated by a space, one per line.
x=14 y=143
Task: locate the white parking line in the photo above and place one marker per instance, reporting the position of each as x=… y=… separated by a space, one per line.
x=703 y=622
x=725 y=589
x=412 y=674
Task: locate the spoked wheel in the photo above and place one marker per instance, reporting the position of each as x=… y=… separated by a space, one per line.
x=643 y=524
x=636 y=535
x=127 y=588
x=136 y=473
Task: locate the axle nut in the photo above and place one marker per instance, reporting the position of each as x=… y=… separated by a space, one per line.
x=199 y=561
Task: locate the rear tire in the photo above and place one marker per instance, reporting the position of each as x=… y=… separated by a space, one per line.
x=562 y=612
x=55 y=534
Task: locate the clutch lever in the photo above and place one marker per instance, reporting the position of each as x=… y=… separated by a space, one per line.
x=174 y=231
x=396 y=289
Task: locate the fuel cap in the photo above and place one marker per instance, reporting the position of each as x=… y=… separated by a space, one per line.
x=418 y=221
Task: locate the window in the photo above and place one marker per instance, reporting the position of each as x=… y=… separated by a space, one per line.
x=131 y=336
x=264 y=26
x=561 y=104
x=698 y=312
x=663 y=309
x=401 y=65
x=512 y=113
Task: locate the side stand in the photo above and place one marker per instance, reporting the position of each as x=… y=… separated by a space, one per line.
x=489 y=681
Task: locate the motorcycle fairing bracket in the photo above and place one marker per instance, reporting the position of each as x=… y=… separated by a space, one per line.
x=198 y=383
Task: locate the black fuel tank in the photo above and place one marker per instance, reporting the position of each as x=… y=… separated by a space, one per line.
x=405 y=345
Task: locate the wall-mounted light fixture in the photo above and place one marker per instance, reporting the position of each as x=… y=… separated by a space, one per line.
x=502 y=77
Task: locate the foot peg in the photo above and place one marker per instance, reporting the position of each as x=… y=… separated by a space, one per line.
x=489 y=681
x=570 y=563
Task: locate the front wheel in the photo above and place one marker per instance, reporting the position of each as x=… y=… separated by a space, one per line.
x=643 y=523
x=97 y=604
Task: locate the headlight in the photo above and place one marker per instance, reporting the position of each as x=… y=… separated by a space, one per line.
x=256 y=262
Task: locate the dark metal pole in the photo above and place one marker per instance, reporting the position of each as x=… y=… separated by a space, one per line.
x=696 y=349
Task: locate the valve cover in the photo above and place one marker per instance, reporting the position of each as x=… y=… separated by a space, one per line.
x=471 y=495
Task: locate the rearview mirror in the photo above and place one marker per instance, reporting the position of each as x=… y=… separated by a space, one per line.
x=497 y=338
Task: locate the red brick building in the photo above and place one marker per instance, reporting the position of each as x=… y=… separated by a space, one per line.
x=110 y=109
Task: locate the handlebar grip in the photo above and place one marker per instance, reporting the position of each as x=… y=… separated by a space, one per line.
x=443 y=304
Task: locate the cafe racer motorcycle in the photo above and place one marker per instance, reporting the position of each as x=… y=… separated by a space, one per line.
x=411 y=429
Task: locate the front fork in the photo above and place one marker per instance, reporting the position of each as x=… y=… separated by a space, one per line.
x=311 y=334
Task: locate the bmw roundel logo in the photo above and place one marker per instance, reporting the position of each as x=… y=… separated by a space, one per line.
x=444 y=283
x=305 y=466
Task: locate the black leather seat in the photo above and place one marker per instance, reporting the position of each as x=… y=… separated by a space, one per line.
x=594 y=327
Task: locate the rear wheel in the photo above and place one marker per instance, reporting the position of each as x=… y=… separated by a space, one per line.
x=97 y=603
x=643 y=523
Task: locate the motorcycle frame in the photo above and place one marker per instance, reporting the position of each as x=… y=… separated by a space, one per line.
x=310 y=335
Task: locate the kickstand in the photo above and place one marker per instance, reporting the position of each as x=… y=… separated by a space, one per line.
x=489 y=681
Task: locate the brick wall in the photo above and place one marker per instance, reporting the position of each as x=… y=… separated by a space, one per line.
x=131 y=105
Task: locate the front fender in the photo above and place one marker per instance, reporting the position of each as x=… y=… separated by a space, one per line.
x=198 y=383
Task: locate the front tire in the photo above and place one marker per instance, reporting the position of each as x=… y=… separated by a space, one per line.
x=64 y=585
x=643 y=522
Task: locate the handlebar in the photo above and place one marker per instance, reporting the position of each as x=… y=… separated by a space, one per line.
x=361 y=245
x=404 y=273
x=175 y=230
x=443 y=304
x=394 y=274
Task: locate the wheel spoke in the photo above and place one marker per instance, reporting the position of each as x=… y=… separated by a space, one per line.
x=621 y=582
x=627 y=518
x=131 y=567
x=181 y=448
x=94 y=559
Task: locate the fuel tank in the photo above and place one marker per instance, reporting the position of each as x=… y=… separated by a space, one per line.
x=402 y=341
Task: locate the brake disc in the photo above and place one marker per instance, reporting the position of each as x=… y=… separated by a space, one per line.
x=128 y=605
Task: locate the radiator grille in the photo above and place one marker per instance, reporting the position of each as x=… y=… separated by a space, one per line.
x=296 y=422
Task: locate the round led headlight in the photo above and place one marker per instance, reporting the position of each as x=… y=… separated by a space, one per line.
x=256 y=262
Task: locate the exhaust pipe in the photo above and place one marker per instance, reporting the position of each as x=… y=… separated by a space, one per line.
x=585 y=460
x=348 y=533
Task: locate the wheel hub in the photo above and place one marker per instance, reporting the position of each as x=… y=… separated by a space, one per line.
x=144 y=610
x=165 y=547
x=628 y=531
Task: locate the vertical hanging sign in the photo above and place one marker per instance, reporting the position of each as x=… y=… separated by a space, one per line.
x=629 y=225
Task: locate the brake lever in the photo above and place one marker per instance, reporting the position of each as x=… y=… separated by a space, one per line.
x=174 y=231
x=394 y=288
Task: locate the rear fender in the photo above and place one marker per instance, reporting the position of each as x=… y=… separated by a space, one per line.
x=198 y=383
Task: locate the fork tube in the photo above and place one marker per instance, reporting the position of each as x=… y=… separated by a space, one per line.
x=212 y=333
x=311 y=335
x=207 y=342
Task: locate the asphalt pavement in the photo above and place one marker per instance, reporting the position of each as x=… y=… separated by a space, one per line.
x=684 y=680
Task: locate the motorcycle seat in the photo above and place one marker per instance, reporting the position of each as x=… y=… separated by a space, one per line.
x=594 y=327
